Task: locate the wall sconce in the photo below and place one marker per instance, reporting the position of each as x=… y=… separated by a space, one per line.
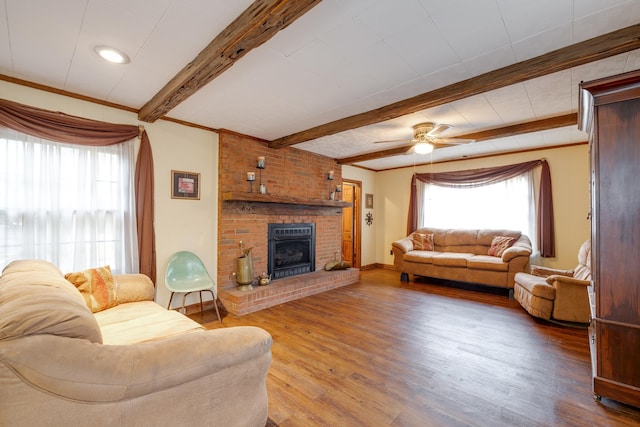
x=330 y=175
x=251 y=178
x=260 y=166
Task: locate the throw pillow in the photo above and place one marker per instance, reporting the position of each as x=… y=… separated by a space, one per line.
x=499 y=244
x=96 y=286
x=422 y=242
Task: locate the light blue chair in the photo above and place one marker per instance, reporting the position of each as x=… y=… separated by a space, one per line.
x=186 y=274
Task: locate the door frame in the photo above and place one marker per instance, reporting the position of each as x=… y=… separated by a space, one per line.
x=356 y=220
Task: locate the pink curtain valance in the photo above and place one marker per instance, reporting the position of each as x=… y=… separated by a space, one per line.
x=61 y=127
x=486 y=176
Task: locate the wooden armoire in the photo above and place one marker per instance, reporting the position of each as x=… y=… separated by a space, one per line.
x=610 y=114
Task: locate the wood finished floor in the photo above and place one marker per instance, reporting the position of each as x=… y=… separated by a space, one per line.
x=386 y=353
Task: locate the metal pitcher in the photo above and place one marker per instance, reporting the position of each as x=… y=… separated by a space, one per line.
x=244 y=273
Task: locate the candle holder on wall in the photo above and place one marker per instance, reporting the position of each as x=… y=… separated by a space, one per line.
x=251 y=178
x=333 y=194
x=260 y=167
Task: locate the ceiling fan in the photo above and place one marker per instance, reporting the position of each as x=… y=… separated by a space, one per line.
x=425 y=138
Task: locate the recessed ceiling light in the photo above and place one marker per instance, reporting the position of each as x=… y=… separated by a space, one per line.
x=112 y=54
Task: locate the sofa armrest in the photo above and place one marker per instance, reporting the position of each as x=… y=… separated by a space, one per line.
x=521 y=247
x=572 y=299
x=133 y=288
x=514 y=252
x=538 y=270
x=82 y=371
x=403 y=245
x=559 y=280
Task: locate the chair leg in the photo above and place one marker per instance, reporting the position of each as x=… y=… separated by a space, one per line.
x=170 y=298
x=201 y=307
x=182 y=309
x=215 y=303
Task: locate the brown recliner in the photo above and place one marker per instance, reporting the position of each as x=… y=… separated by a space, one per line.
x=554 y=294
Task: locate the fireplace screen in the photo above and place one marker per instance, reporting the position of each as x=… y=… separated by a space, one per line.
x=291 y=249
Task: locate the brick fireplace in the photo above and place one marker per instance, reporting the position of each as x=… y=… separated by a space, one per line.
x=297 y=192
x=291 y=249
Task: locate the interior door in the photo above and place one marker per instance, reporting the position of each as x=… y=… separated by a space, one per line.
x=347 y=224
x=351 y=192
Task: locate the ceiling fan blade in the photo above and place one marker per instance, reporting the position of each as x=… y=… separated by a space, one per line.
x=438 y=129
x=411 y=150
x=394 y=140
x=452 y=141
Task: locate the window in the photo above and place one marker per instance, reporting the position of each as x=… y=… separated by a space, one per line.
x=72 y=205
x=509 y=204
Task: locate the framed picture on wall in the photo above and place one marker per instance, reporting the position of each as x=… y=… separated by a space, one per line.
x=368 y=201
x=185 y=185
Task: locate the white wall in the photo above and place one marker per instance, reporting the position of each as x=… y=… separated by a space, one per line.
x=179 y=224
x=368 y=244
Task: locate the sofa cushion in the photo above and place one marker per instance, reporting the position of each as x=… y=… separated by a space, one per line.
x=499 y=244
x=142 y=321
x=536 y=286
x=486 y=236
x=422 y=242
x=96 y=286
x=452 y=259
x=487 y=262
x=133 y=287
x=425 y=257
x=463 y=241
x=37 y=300
x=536 y=306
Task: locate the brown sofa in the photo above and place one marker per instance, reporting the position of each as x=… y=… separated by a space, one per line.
x=463 y=256
x=555 y=294
x=133 y=364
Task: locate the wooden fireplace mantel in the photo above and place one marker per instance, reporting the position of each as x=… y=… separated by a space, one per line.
x=232 y=196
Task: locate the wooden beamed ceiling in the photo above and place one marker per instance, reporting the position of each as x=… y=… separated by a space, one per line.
x=265 y=18
x=253 y=27
x=605 y=46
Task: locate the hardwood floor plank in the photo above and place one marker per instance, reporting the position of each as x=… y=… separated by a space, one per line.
x=388 y=353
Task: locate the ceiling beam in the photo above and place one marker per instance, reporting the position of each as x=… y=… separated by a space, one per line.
x=522 y=128
x=256 y=25
x=607 y=45
x=374 y=155
x=502 y=132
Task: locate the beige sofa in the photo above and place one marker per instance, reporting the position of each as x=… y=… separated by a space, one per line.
x=134 y=364
x=463 y=256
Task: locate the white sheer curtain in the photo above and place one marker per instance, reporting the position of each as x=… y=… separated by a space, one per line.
x=72 y=205
x=509 y=204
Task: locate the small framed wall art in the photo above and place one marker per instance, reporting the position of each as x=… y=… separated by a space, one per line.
x=368 y=201
x=185 y=185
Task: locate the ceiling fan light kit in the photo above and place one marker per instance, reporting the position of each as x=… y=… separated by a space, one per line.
x=423 y=148
x=425 y=138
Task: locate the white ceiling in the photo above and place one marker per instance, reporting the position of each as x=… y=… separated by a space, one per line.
x=341 y=58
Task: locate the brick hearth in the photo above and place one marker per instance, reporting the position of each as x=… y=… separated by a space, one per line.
x=286 y=289
x=289 y=174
